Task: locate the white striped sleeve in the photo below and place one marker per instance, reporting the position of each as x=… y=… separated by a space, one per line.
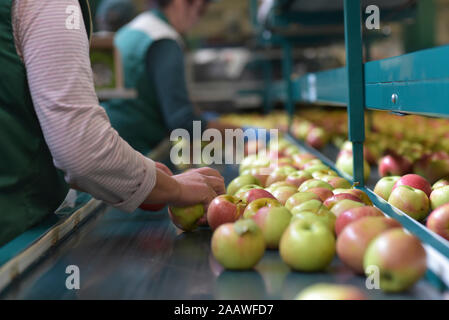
x=77 y=130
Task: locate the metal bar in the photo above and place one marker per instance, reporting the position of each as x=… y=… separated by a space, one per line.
x=356 y=101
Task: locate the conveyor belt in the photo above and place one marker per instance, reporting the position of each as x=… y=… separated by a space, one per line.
x=143 y=256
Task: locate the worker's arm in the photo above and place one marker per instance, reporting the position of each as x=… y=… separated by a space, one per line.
x=77 y=130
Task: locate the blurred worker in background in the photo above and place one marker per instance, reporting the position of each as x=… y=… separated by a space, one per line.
x=111 y=15
x=151 y=49
x=54 y=134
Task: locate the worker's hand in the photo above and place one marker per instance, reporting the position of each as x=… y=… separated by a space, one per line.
x=198 y=186
x=164 y=168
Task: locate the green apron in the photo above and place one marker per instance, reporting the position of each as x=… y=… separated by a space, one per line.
x=140 y=121
x=30 y=185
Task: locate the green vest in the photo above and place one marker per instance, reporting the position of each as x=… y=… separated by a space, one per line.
x=140 y=121
x=30 y=185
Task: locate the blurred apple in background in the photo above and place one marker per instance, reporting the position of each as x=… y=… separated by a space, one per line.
x=283 y=193
x=438 y=221
x=243 y=190
x=355 y=214
x=413 y=202
x=315 y=206
x=433 y=166
x=332 y=201
x=394 y=165
x=345 y=164
x=317 y=138
x=384 y=186
x=355 y=238
x=414 y=181
x=399 y=257
x=356 y=192
x=255 y=194
x=300 y=160
x=307 y=246
x=224 y=209
x=279 y=174
x=273 y=222
x=239 y=245
x=441 y=183
x=324 y=291
x=297 y=178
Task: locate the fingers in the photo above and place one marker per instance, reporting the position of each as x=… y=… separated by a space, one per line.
x=216 y=184
x=209 y=172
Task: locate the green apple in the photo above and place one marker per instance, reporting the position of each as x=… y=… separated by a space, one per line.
x=345 y=164
x=441 y=183
x=279 y=174
x=324 y=174
x=314 y=183
x=298 y=177
x=239 y=245
x=316 y=167
x=299 y=198
x=315 y=206
x=399 y=257
x=439 y=197
x=326 y=217
x=411 y=201
x=241 y=192
x=325 y=291
x=283 y=193
x=254 y=206
x=273 y=222
x=187 y=218
x=344 y=205
x=307 y=246
x=356 y=192
x=338 y=182
x=240 y=182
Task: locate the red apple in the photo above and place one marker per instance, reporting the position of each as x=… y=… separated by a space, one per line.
x=301 y=159
x=279 y=174
x=255 y=194
x=354 y=214
x=224 y=209
x=438 y=221
x=399 y=257
x=254 y=206
x=414 y=181
x=239 y=245
x=317 y=138
x=345 y=204
x=298 y=177
x=355 y=238
x=433 y=166
x=332 y=201
x=283 y=193
x=394 y=165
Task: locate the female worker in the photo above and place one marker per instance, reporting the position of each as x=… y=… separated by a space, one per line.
x=151 y=49
x=53 y=133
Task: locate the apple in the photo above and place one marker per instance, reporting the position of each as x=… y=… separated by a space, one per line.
x=239 y=245
x=247 y=163
x=441 y=183
x=260 y=174
x=356 y=192
x=317 y=138
x=311 y=168
x=323 y=193
x=394 y=165
x=283 y=193
x=240 y=182
x=384 y=186
x=298 y=177
x=324 y=291
x=279 y=174
x=438 y=221
x=355 y=214
x=324 y=216
x=313 y=163
x=299 y=198
x=254 y=206
x=355 y=238
x=345 y=164
x=186 y=218
x=223 y=209
x=332 y=201
x=433 y=166
x=399 y=257
x=273 y=222
x=300 y=160
x=414 y=181
x=411 y=201
x=255 y=194
x=339 y=183
x=345 y=204
x=282 y=163
x=439 y=197
x=242 y=191
x=324 y=174
x=307 y=246
x=314 y=183
x=315 y=206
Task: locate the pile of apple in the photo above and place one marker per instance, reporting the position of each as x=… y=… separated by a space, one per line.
x=414 y=195
x=301 y=207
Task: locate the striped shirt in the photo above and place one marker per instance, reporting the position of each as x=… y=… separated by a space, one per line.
x=77 y=130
